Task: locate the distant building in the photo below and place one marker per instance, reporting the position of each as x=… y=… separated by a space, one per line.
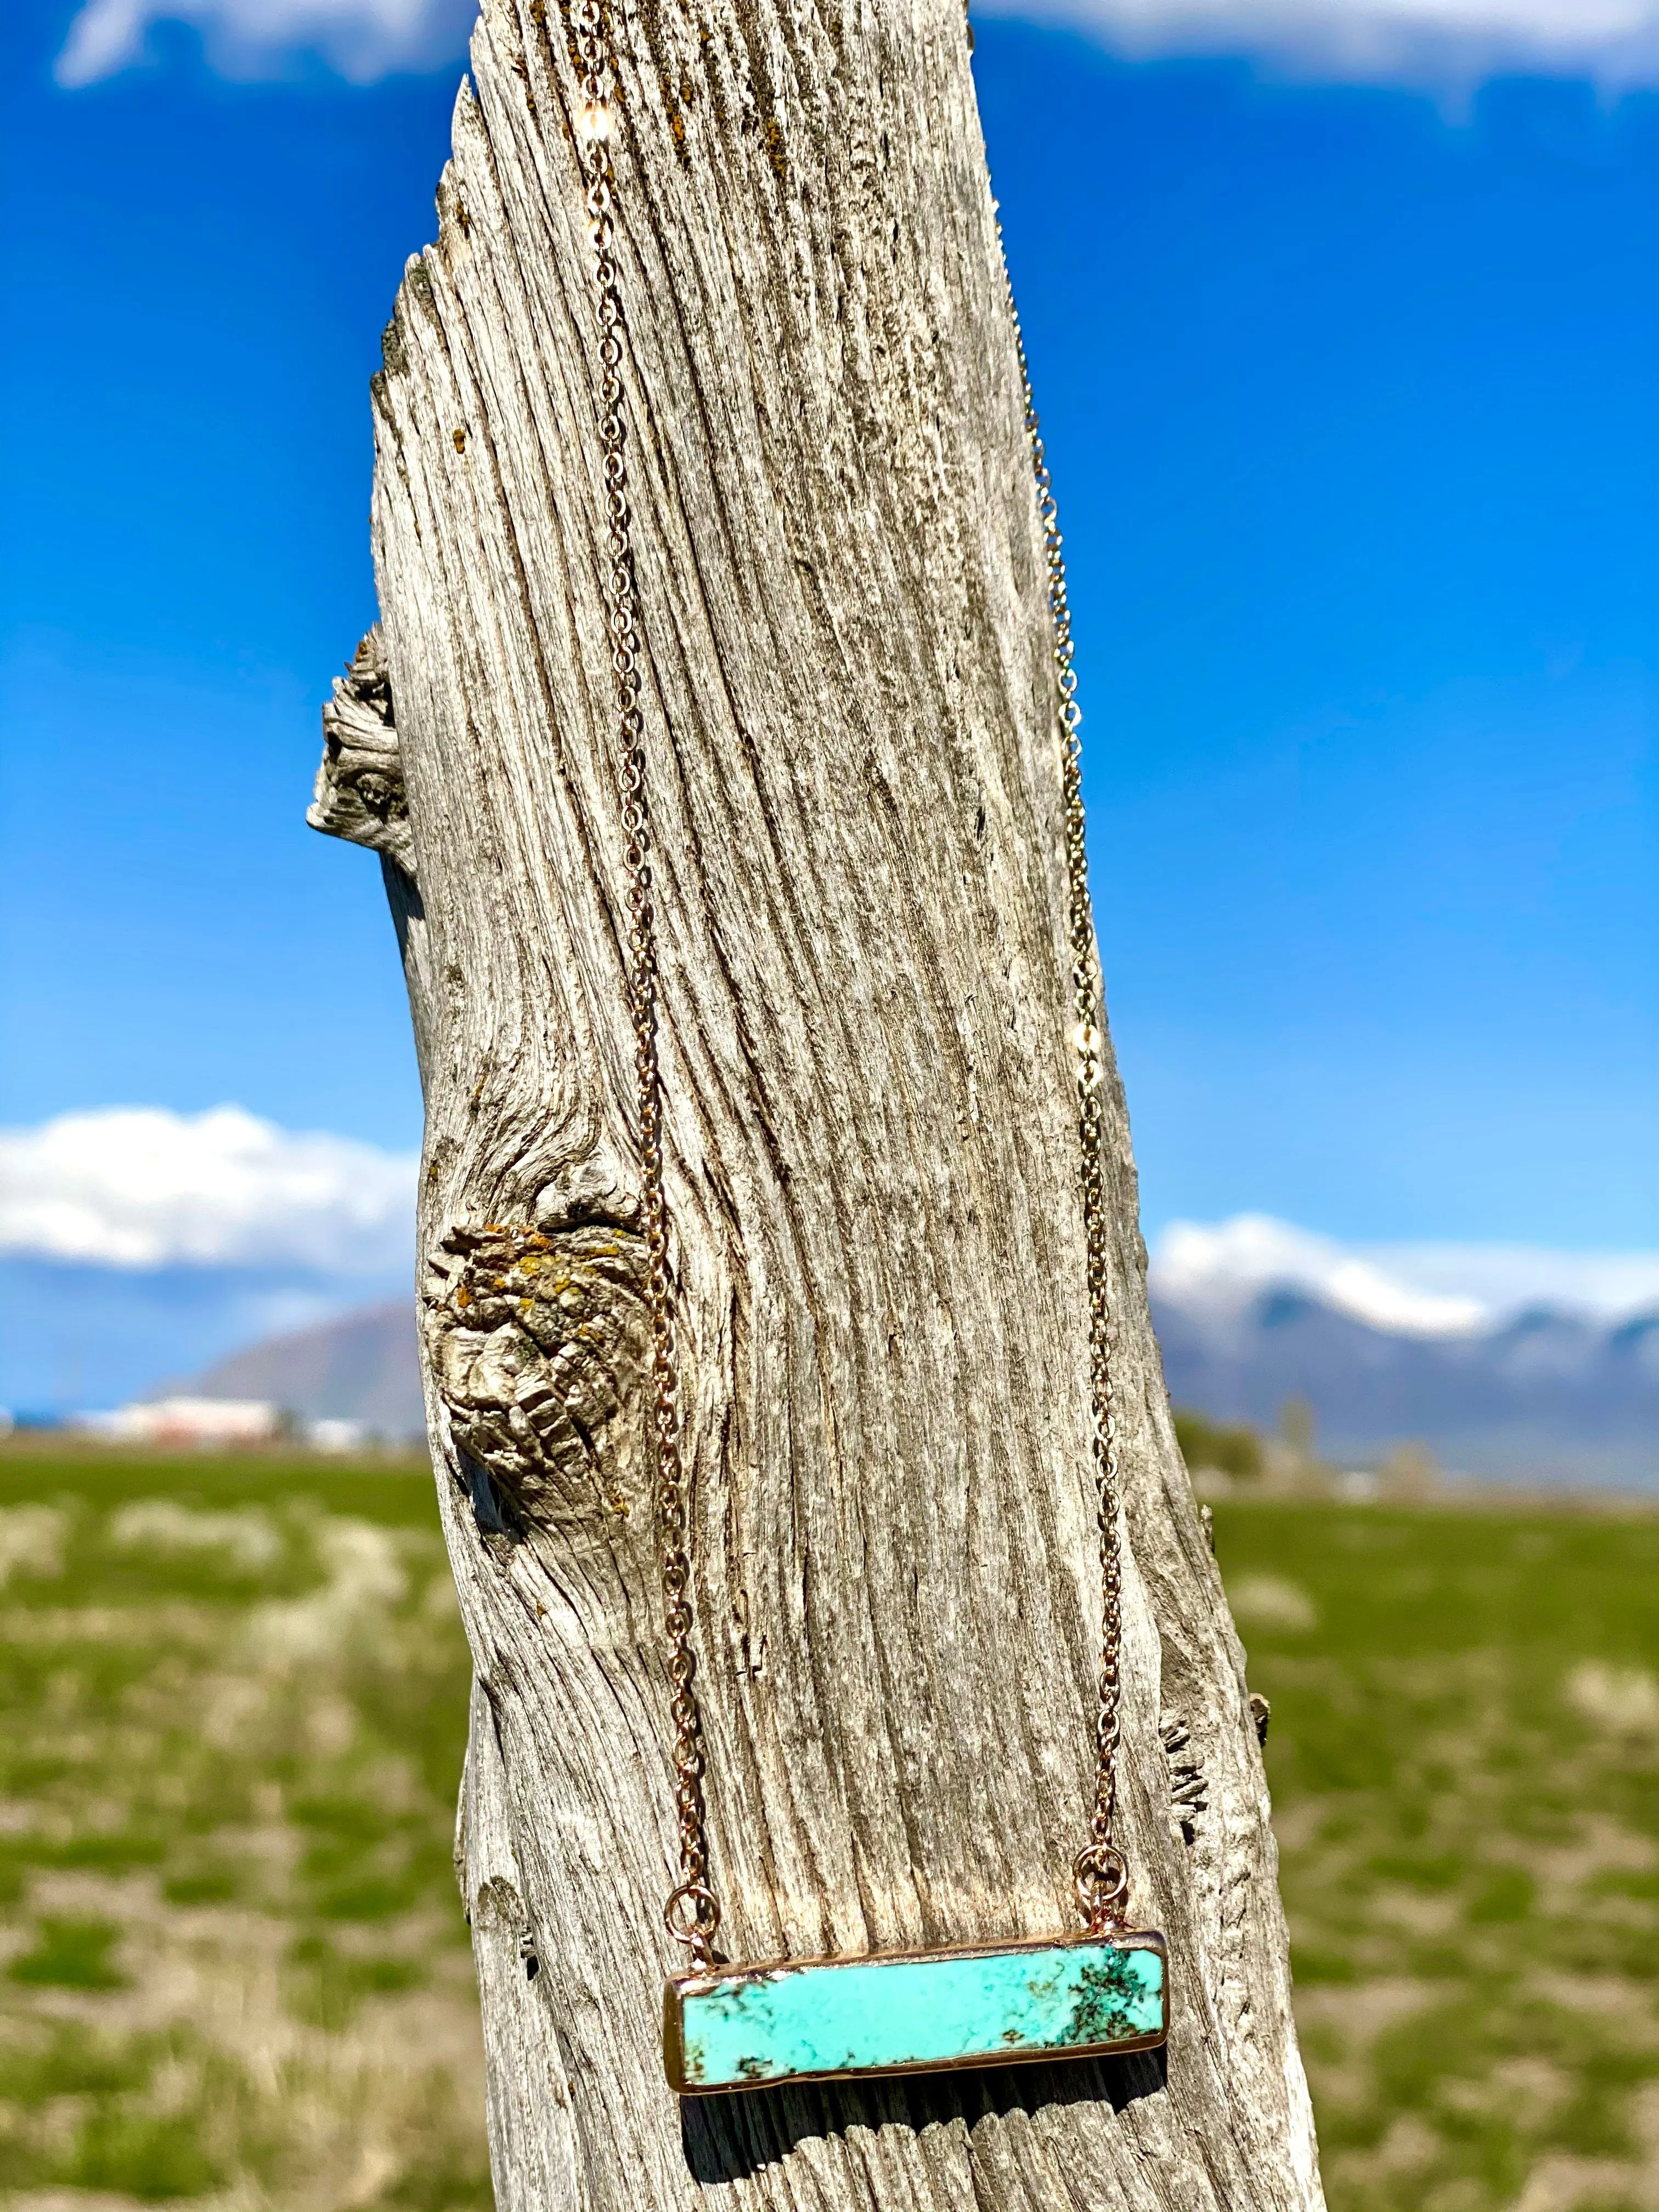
x=186 y=1423
x=338 y=1436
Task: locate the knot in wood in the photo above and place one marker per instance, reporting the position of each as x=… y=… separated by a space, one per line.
x=538 y=1340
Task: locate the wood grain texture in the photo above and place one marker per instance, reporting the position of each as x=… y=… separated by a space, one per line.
x=872 y=1157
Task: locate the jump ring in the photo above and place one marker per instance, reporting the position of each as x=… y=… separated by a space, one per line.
x=692 y=1917
x=1101 y=1886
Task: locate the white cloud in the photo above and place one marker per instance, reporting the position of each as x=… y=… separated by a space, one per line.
x=361 y=38
x=1416 y=1290
x=1617 y=41
x=1432 y=41
x=133 y=1187
x=1504 y=1277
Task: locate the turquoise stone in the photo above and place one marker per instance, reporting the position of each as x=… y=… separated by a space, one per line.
x=738 y=2027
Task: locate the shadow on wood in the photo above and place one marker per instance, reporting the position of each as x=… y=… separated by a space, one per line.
x=730 y=2138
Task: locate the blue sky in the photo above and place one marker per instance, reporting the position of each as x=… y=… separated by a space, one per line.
x=1350 y=389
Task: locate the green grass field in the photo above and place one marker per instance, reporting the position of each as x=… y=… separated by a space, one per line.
x=1464 y=1757
x=233 y=1970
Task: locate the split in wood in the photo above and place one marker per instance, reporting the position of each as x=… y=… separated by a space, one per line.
x=1188 y=1791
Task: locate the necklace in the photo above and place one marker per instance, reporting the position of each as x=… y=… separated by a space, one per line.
x=725 y=2026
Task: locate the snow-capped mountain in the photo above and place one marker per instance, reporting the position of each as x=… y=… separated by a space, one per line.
x=1541 y=1395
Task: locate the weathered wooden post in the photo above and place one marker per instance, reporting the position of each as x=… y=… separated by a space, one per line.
x=871 y=1155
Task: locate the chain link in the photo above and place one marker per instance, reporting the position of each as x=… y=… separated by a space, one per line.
x=692 y=1912
x=1100 y=1873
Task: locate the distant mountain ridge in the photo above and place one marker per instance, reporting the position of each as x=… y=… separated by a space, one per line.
x=363 y=1366
x=1543 y=1396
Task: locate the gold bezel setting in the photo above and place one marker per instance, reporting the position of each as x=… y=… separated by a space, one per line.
x=704 y=1981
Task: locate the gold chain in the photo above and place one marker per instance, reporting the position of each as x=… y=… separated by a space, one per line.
x=692 y=1911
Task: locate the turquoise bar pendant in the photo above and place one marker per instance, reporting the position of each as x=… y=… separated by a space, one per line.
x=908 y=2011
